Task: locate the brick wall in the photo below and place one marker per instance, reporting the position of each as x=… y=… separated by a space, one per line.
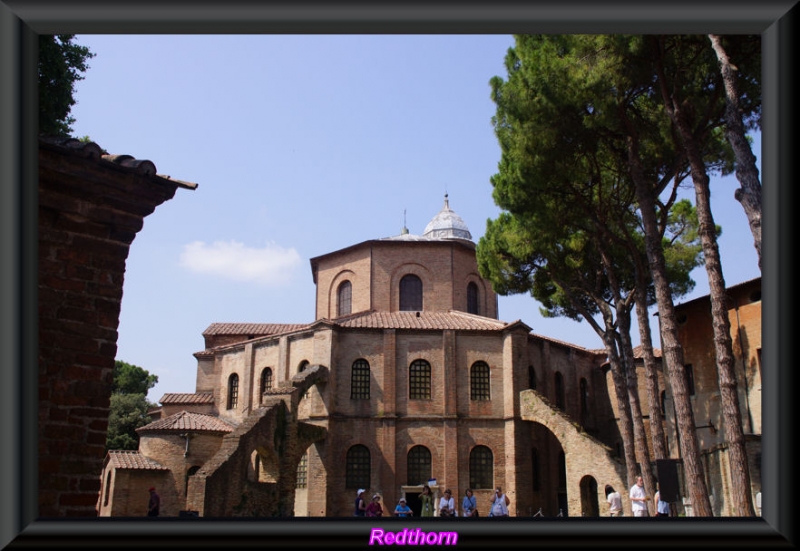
x=90 y=210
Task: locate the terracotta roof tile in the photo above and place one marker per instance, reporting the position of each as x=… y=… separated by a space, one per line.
x=187 y=421
x=256 y=329
x=91 y=150
x=187 y=398
x=421 y=320
x=133 y=459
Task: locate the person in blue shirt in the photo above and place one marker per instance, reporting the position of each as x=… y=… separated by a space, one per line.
x=402 y=510
x=469 y=507
x=662 y=507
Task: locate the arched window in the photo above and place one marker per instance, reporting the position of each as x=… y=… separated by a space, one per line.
x=664 y=403
x=531 y=378
x=357 y=467
x=302 y=367
x=359 y=380
x=689 y=370
x=345 y=298
x=266 y=380
x=419 y=380
x=410 y=293
x=479 y=381
x=419 y=465
x=481 y=468
x=472 y=298
x=233 y=391
x=560 y=398
x=584 y=398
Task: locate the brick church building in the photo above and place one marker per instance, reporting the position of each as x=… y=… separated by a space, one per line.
x=406 y=377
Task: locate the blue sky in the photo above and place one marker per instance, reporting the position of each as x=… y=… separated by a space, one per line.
x=302 y=145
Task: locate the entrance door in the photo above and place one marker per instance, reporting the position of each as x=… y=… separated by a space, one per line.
x=413 y=502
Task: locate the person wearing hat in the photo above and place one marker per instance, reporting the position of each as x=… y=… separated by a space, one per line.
x=402 y=510
x=361 y=507
x=154 y=504
x=374 y=509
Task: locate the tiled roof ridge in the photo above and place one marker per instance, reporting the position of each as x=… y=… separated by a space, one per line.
x=243 y=328
x=188 y=420
x=439 y=320
x=92 y=150
x=187 y=398
x=133 y=459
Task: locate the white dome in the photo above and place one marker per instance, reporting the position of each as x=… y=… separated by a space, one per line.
x=447 y=225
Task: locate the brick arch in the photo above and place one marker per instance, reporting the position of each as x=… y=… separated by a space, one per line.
x=333 y=291
x=419 y=270
x=273 y=431
x=483 y=292
x=585 y=455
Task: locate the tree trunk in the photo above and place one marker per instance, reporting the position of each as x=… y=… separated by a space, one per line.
x=732 y=417
x=640 y=435
x=628 y=364
x=650 y=369
x=623 y=405
x=749 y=192
x=672 y=351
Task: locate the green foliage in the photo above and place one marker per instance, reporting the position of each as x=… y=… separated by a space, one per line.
x=61 y=63
x=132 y=379
x=570 y=234
x=128 y=413
x=129 y=405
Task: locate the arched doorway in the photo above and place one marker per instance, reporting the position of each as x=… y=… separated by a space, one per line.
x=590 y=506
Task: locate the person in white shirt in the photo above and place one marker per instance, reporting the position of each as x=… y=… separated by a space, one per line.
x=614 y=500
x=447 y=505
x=500 y=503
x=639 y=498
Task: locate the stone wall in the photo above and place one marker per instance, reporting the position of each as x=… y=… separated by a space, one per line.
x=91 y=207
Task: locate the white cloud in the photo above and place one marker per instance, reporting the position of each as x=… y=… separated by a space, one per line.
x=271 y=265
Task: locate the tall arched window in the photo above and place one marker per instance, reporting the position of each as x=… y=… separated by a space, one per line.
x=560 y=398
x=531 y=378
x=233 y=391
x=302 y=367
x=359 y=380
x=418 y=463
x=584 y=399
x=410 y=293
x=357 y=467
x=481 y=468
x=479 y=381
x=419 y=380
x=472 y=298
x=344 y=298
x=266 y=381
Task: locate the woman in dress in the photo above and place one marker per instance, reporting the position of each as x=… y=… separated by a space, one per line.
x=426 y=502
